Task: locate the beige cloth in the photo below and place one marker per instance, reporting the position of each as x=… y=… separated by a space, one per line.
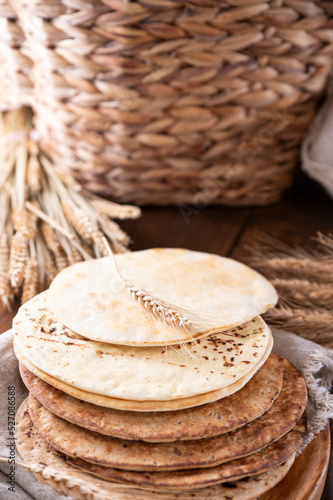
x=315 y=362
x=317 y=148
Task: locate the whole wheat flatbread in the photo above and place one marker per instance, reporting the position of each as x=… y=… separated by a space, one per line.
x=34 y=452
x=90 y=298
x=205 y=421
x=142 y=406
x=138 y=373
x=76 y=442
x=263 y=460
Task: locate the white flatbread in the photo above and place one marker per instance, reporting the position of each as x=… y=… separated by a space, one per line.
x=90 y=298
x=138 y=373
x=143 y=406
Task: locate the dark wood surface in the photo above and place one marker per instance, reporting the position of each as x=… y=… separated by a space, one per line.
x=304 y=210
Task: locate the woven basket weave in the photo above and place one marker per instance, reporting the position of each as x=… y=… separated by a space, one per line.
x=15 y=65
x=187 y=101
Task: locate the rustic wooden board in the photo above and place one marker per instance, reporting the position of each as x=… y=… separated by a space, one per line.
x=306 y=478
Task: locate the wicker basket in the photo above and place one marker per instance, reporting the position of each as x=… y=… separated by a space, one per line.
x=178 y=101
x=15 y=65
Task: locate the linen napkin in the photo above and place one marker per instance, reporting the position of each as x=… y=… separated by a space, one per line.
x=317 y=148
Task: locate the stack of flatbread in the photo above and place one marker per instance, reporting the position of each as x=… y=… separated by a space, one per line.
x=127 y=395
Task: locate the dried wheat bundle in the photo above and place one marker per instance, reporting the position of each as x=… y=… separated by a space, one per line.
x=304 y=280
x=47 y=221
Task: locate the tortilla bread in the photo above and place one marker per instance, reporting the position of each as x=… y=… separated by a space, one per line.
x=138 y=373
x=204 y=421
x=76 y=442
x=90 y=298
x=33 y=451
x=263 y=460
x=151 y=406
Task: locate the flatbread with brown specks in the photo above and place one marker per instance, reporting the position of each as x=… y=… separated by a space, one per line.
x=66 y=479
x=138 y=373
x=205 y=421
x=143 y=406
x=107 y=451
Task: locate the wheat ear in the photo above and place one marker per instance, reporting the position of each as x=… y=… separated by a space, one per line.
x=114 y=231
x=24 y=222
x=53 y=244
x=5 y=288
x=33 y=174
x=293 y=264
x=325 y=240
x=18 y=257
x=114 y=210
x=67 y=179
x=304 y=292
x=84 y=225
x=118 y=247
x=304 y=279
x=31 y=280
x=312 y=324
x=158 y=308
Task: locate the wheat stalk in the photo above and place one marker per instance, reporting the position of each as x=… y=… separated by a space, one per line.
x=304 y=292
x=114 y=232
x=33 y=170
x=118 y=247
x=53 y=244
x=5 y=287
x=159 y=309
x=47 y=268
x=18 y=257
x=325 y=240
x=304 y=267
x=116 y=211
x=304 y=281
x=162 y=310
x=31 y=280
x=312 y=324
x=67 y=179
x=35 y=232
x=24 y=222
x=84 y=226
x=316 y=317
x=74 y=254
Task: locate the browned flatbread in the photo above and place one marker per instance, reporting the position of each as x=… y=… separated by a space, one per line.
x=200 y=422
x=71 y=480
x=142 y=406
x=140 y=456
x=263 y=460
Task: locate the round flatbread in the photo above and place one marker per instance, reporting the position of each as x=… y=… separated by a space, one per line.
x=91 y=299
x=204 y=421
x=138 y=373
x=33 y=451
x=263 y=460
x=142 y=406
x=92 y=447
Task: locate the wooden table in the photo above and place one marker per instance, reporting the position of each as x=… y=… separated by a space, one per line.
x=304 y=210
